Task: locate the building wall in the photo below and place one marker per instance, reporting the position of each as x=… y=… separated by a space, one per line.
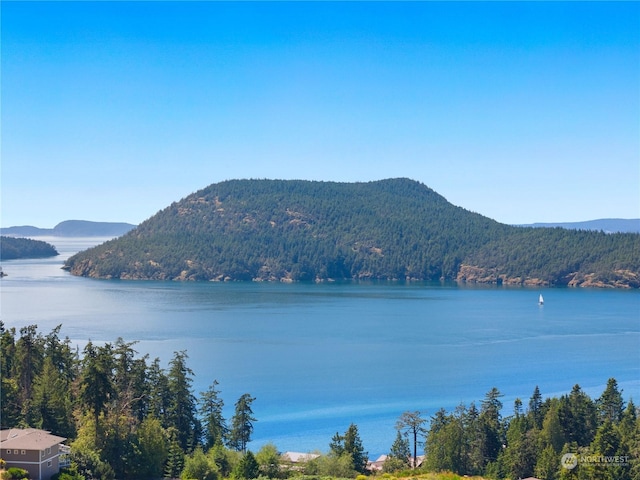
x=49 y=471
x=41 y=465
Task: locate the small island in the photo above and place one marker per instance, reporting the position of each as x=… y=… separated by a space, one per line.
x=16 y=248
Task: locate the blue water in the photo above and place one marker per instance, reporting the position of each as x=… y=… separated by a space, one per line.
x=319 y=357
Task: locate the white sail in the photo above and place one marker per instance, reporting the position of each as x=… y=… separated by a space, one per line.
x=540 y=300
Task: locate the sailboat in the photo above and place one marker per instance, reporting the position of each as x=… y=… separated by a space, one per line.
x=540 y=300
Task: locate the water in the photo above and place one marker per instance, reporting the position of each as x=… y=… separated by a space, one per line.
x=318 y=357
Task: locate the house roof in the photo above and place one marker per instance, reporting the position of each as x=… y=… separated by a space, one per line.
x=297 y=457
x=28 y=439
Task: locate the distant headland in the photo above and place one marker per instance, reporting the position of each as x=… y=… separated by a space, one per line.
x=607 y=225
x=71 y=228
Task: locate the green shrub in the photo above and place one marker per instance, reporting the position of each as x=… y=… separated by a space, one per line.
x=15 y=473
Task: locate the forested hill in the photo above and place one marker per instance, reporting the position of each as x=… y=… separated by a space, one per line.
x=396 y=229
x=14 y=248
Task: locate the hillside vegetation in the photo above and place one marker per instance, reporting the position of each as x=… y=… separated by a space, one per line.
x=14 y=248
x=397 y=229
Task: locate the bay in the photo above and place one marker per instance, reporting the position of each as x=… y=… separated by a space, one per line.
x=318 y=357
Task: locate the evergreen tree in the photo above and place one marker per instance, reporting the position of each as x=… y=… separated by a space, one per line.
x=578 y=417
x=222 y=458
x=51 y=403
x=412 y=424
x=552 y=433
x=350 y=445
x=474 y=461
x=181 y=411
x=399 y=454
x=90 y=466
x=519 y=456
x=152 y=449
x=491 y=428
x=535 y=408
x=130 y=380
x=175 y=456
x=547 y=463
x=435 y=447
x=7 y=351
x=158 y=394
x=628 y=428
x=353 y=446
x=242 y=423
x=63 y=357
x=96 y=381
x=29 y=356
x=336 y=446
x=214 y=425
x=247 y=468
x=10 y=406
x=610 y=404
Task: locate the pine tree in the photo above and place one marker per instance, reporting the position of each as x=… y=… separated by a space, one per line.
x=400 y=450
x=491 y=428
x=242 y=423
x=247 y=468
x=353 y=446
x=175 y=457
x=610 y=404
x=181 y=413
x=29 y=356
x=214 y=425
x=96 y=382
x=157 y=387
x=535 y=408
x=51 y=407
x=412 y=423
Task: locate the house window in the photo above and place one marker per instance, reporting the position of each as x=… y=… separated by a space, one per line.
x=8 y=452
x=15 y=452
x=22 y=452
x=41 y=453
x=49 y=464
x=48 y=450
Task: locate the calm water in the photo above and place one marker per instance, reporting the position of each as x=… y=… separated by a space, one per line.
x=318 y=357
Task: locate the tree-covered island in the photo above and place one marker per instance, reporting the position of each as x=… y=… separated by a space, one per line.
x=13 y=248
x=396 y=229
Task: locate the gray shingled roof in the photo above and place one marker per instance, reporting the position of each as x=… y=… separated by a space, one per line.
x=28 y=439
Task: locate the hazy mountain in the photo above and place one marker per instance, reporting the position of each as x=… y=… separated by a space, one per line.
x=397 y=229
x=607 y=225
x=71 y=228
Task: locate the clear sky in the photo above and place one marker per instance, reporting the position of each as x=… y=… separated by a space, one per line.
x=523 y=112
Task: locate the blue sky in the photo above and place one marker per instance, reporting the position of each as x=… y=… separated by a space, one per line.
x=521 y=111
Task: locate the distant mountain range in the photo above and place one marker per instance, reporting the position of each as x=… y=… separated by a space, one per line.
x=71 y=228
x=607 y=225
x=396 y=229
